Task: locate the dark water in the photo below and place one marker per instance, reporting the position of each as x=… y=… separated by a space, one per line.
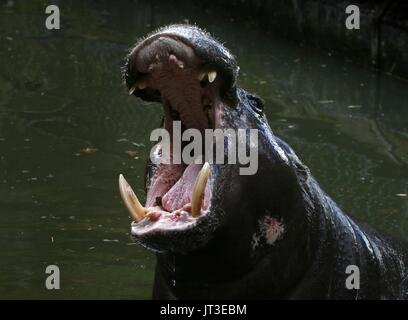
x=68 y=128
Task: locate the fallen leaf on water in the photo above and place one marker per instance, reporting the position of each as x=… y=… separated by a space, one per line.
x=131 y=153
x=88 y=150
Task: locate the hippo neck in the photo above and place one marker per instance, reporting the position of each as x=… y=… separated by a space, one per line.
x=336 y=242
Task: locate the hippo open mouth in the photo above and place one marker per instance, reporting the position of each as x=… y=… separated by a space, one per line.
x=193 y=87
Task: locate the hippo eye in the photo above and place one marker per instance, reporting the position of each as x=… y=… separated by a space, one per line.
x=256 y=103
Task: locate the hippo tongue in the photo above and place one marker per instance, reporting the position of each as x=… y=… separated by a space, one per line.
x=180 y=194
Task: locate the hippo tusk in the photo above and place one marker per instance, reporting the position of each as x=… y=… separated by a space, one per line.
x=211 y=76
x=199 y=189
x=201 y=75
x=136 y=210
x=132 y=89
x=141 y=84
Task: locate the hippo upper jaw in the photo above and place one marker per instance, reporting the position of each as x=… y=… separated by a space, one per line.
x=192 y=47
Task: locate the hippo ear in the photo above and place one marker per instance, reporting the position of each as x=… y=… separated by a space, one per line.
x=256 y=103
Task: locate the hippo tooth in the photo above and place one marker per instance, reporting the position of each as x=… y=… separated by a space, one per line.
x=198 y=190
x=201 y=75
x=141 y=84
x=136 y=210
x=132 y=89
x=212 y=75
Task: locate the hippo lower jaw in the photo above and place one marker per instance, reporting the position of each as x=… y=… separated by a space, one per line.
x=178 y=196
x=155 y=219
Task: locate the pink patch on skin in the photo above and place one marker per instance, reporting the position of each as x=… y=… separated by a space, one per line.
x=272 y=229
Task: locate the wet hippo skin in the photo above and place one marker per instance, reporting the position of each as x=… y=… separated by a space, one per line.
x=271 y=235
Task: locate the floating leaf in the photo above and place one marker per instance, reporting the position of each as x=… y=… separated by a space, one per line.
x=131 y=153
x=88 y=150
